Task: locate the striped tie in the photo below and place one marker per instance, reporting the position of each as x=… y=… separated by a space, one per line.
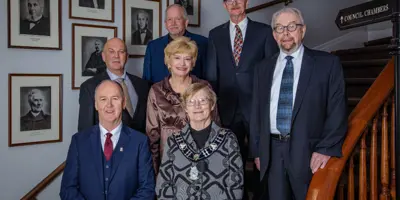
x=238 y=43
x=285 y=102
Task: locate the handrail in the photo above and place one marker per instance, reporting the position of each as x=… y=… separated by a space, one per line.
x=324 y=182
x=268 y=4
x=44 y=183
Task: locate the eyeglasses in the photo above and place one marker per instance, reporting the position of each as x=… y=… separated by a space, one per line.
x=291 y=27
x=193 y=102
x=230 y=2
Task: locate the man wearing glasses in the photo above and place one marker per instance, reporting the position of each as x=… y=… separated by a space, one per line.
x=299 y=110
x=135 y=90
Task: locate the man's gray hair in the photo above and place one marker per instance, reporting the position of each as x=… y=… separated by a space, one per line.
x=185 y=15
x=41 y=2
x=286 y=10
x=34 y=92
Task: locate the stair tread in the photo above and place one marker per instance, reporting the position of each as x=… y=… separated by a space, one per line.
x=352 y=101
x=370 y=49
x=359 y=80
x=385 y=40
x=363 y=63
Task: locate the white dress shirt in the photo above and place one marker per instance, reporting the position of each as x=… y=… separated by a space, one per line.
x=95 y=4
x=232 y=30
x=277 y=79
x=116 y=132
x=131 y=90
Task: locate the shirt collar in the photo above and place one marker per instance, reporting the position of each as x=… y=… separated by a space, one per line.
x=115 y=132
x=114 y=77
x=241 y=24
x=296 y=55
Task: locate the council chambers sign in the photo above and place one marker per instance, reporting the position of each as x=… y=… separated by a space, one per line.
x=364 y=14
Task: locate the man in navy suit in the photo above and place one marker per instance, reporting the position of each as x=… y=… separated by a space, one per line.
x=109 y=160
x=176 y=21
x=114 y=55
x=299 y=110
x=233 y=50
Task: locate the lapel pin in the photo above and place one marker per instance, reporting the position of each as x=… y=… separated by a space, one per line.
x=121 y=149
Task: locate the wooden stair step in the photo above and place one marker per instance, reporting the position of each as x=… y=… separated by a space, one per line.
x=379 y=41
x=353 y=101
x=366 y=56
x=362 y=72
x=364 y=63
x=363 y=50
x=359 y=81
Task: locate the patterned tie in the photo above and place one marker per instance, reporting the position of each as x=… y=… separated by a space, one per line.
x=285 y=102
x=108 y=147
x=129 y=106
x=238 y=43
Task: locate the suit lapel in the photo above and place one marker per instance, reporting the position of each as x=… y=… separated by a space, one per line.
x=97 y=153
x=307 y=67
x=165 y=41
x=119 y=152
x=226 y=39
x=268 y=84
x=138 y=92
x=247 y=43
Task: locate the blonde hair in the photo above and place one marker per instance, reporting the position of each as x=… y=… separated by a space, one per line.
x=196 y=87
x=180 y=44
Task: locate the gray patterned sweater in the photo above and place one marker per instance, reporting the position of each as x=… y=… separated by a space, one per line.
x=217 y=177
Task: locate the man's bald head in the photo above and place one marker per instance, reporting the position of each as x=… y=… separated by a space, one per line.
x=115 y=55
x=114 y=41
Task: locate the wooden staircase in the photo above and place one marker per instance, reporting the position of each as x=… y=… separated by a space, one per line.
x=367 y=168
x=361 y=66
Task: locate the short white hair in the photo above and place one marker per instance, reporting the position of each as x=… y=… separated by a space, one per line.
x=287 y=10
x=185 y=15
x=35 y=93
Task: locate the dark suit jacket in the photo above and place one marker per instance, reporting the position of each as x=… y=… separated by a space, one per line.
x=89 y=3
x=136 y=40
x=95 y=62
x=319 y=120
x=154 y=68
x=132 y=175
x=232 y=84
x=88 y=115
x=29 y=122
x=41 y=28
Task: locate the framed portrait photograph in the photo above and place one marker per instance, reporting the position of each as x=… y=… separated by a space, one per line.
x=35 y=109
x=97 y=10
x=192 y=8
x=87 y=46
x=34 y=24
x=141 y=24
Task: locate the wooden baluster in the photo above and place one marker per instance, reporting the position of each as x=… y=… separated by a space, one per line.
x=374 y=160
x=362 y=192
x=350 y=186
x=385 y=193
x=341 y=191
x=392 y=155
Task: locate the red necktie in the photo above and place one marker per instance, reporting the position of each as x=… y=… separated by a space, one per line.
x=238 y=43
x=108 y=147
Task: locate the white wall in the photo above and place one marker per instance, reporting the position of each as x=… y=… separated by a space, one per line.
x=23 y=167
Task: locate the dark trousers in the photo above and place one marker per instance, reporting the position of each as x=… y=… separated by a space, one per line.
x=240 y=126
x=281 y=182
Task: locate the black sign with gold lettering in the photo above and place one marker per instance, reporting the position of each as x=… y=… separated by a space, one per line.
x=364 y=14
